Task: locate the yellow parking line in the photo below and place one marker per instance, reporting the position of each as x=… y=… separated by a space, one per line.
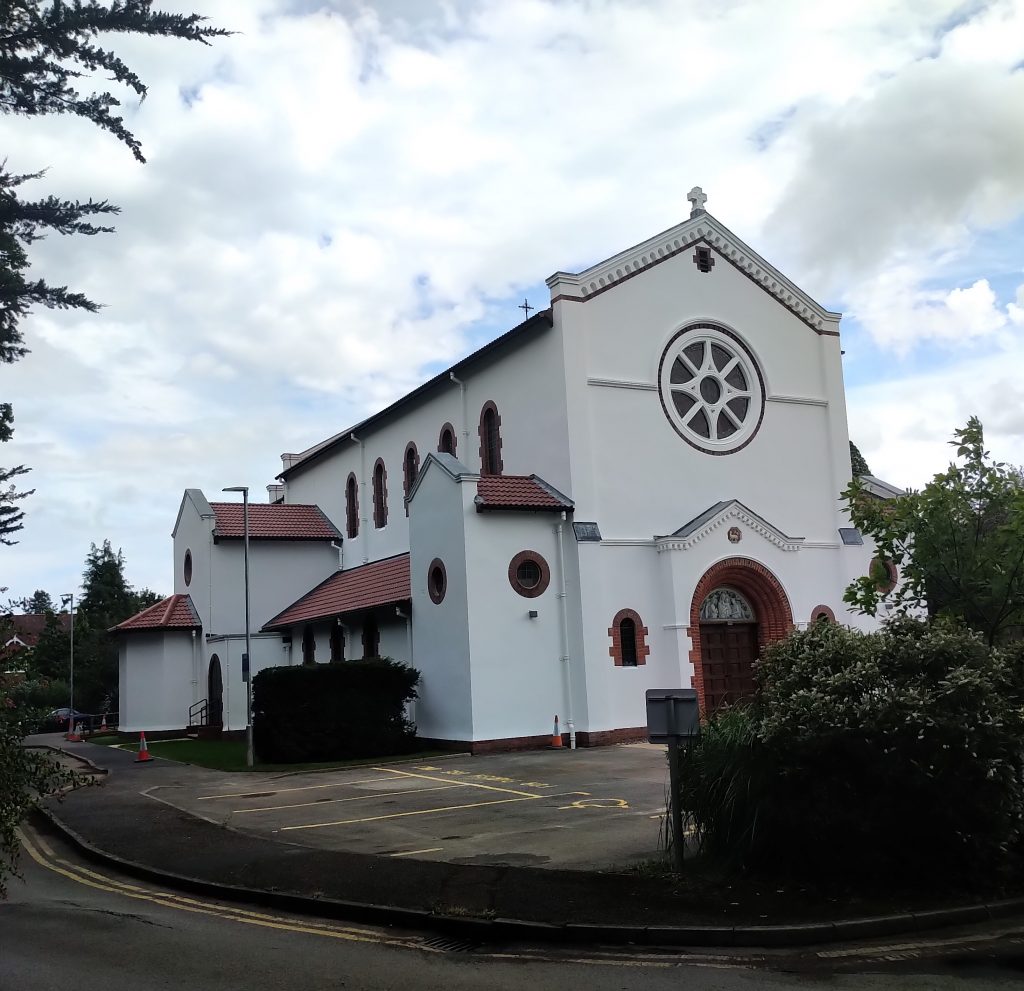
x=411 y=853
x=353 y=798
x=401 y=815
x=281 y=791
x=469 y=784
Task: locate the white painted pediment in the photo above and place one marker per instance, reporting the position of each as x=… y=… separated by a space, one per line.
x=701 y=227
x=728 y=514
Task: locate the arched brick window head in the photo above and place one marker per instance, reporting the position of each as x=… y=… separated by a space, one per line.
x=352 y=507
x=411 y=468
x=446 y=443
x=380 y=495
x=490 y=440
x=822 y=614
x=308 y=646
x=629 y=639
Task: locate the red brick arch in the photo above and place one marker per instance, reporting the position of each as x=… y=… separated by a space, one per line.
x=761 y=589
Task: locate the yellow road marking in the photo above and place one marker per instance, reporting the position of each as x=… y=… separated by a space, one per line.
x=410 y=853
x=402 y=815
x=353 y=798
x=85 y=877
x=597 y=803
x=281 y=791
x=468 y=784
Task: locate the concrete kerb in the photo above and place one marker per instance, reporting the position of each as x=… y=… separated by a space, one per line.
x=93 y=767
x=483 y=930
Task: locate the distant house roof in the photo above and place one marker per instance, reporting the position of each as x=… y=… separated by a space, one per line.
x=380 y=583
x=274 y=521
x=518 y=335
x=881 y=489
x=176 y=612
x=28 y=627
x=524 y=492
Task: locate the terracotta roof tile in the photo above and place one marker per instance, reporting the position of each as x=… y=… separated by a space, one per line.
x=379 y=583
x=272 y=521
x=29 y=626
x=519 y=492
x=176 y=612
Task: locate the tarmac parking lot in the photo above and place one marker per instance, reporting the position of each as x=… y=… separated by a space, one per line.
x=585 y=809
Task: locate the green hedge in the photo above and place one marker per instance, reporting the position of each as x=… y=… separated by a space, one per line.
x=333 y=711
x=896 y=754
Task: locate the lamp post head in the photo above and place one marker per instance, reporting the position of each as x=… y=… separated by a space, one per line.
x=236 y=488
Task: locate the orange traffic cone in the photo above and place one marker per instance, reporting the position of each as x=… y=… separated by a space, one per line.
x=103 y=725
x=556 y=735
x=74 y=734
x=144 y=753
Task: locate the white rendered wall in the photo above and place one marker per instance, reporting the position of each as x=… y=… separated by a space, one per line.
x=194 y=533
x=267 y=651
x=526 y=385
x=154 y=681
x=444 y=709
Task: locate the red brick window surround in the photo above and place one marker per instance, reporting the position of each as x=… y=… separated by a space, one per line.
x=187 y=567
x=437 y=581
x=884 y=574
x=529 y=574
x=629 y=647
x=446 y=442
x=308 y=646
x=352 y=506
x=380 y=494
x=371 y=637
x=490 y=440
x=822 y=614
x=410 y=468
x=337 y=643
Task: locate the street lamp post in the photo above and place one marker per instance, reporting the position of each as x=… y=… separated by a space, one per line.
x=64 y=600
x=244 y=489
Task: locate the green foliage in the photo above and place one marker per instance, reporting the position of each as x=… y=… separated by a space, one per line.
x=858 y=462
x=882 y=755
x=333 y=711
x=46 y=47
x=38 y=602
x=958 y=543
x=25 y=775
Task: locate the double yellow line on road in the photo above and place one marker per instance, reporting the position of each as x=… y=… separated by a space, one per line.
x=41 y=852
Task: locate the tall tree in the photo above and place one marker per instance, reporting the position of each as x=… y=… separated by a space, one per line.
x=38 y=602
x=858 y=462
x=958 y=543
x=46 y=47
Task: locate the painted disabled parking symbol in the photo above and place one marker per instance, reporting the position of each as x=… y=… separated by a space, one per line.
x=598 y=803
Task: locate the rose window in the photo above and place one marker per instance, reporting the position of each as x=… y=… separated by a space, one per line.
x=711 y=389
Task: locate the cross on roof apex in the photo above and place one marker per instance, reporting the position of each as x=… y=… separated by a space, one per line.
x=697 y=200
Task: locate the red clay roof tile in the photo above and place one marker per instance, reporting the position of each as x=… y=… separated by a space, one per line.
x=176 y=612
x=380 y=583
x=272 y=521
x=519 y=492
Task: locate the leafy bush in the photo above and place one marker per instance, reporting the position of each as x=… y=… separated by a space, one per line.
x=333 y=711
x=899 y=752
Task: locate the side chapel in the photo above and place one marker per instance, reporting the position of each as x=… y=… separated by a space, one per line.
x=634 y=488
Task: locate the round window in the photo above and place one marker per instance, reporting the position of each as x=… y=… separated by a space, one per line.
x=711 y=389
x=884 y=574
x=437 y=581
x=187 y=568
x=529 y=574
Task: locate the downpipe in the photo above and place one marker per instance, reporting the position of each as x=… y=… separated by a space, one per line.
x=564 y=621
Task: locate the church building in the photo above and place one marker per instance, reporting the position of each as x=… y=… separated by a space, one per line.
x=636 y=487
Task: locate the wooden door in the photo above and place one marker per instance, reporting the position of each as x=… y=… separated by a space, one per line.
x=727 y=651
x=215 y=686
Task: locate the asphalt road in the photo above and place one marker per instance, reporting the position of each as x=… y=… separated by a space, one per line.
x=69 y=925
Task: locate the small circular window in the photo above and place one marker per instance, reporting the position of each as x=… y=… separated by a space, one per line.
x=529 y=574
x=884 y=574
x=187 y=569
x=711 y=389
x=437 y=581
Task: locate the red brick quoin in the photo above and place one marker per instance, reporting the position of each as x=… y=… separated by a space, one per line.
x=762 y=590
x=615 y=632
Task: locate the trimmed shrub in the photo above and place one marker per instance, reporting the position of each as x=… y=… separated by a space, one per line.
x=891 y=754
x=333 y=711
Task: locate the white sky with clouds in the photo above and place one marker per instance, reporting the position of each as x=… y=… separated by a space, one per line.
x=345 y=197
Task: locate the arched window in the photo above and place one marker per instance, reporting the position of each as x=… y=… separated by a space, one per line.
x=411 y=467
x=380 y=494
x=490 y=440
x=446 y=442
x=352 y=507
x=371 y=637
x=627 y=642
x=337 y=643
x=308 y=646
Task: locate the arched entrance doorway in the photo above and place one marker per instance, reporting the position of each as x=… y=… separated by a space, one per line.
x=215 y=692
x=737 y=607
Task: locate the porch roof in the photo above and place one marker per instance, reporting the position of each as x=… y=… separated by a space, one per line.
x=176 y=612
